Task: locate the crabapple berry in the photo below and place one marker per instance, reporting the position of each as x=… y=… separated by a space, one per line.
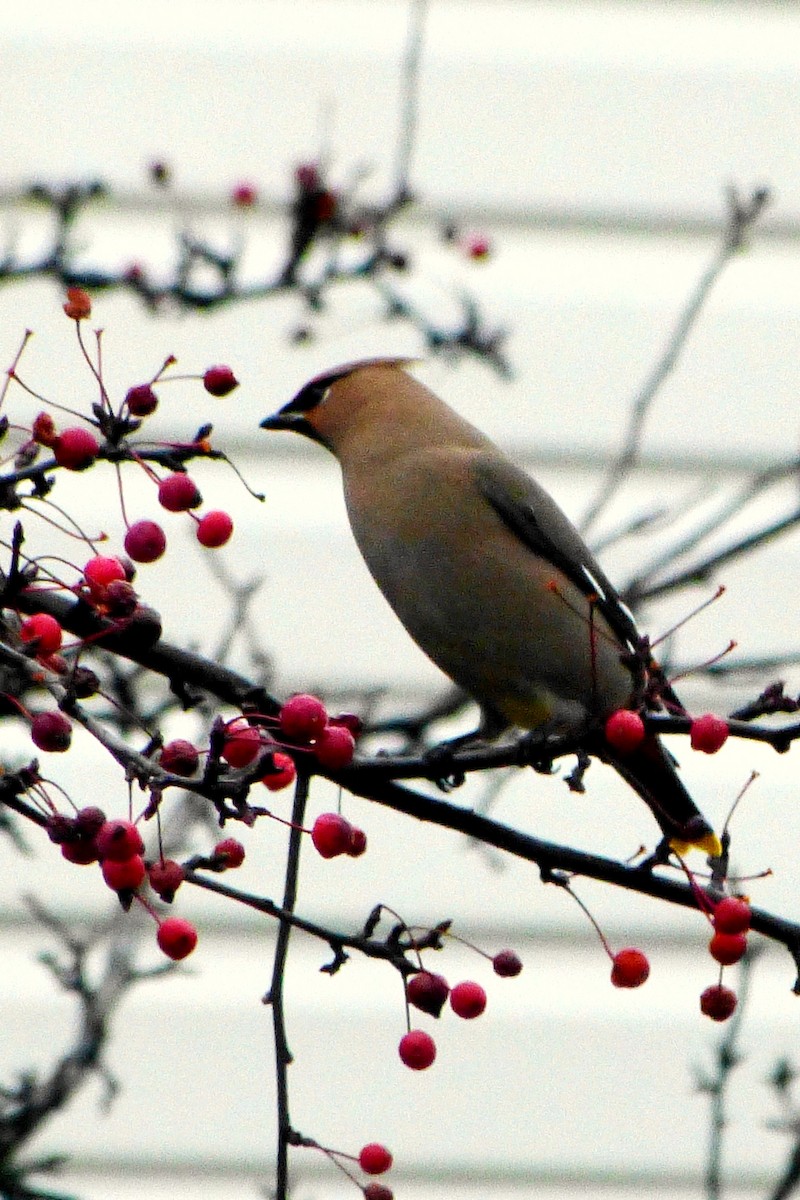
x=42 y=632
x=630 y=968
x=145 y=541
x=377 y=1191
x=302 y=718
x=718 y=1002
x=102 y=570
x=242 y=743
x=468 y=999
x=334 y=747
x=90 y=820
x=125 y=875
x=478 y=246
x=727 y=948
x=283 y=774
x=417 y=1049
x=358 y=843
x=118 y=840
x=708 y=733
x=507 y=963
x=166 y=876
x=77 y=305
x=180 y=757
x=374 y=1159
x=732 y=915
x=76 y=448
x=214 y=529
x=331 y=834
x=220 y=381
x=141 y=400
x=231 y=851
x=428 y=992
x=244 y=195
x=81 y=851
x=120 y=599
x=51 y=731
x=176 y=937
x=624 y=730
x=178 y=493
x=44 y=429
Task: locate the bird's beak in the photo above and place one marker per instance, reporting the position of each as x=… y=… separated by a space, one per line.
x=282 y=420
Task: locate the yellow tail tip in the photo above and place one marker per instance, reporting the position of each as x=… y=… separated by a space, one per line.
x=709 y=843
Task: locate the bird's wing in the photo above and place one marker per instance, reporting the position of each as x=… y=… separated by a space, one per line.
x=527 y=510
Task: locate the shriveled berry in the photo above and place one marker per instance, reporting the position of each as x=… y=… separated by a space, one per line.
x=732 y=915
x=118 y=840
x=718 y=1002
x=51 y=731
x=708 y=733
x=214 y=529
x=417 y=1049
x=467 y=999
x=220 y=381
x=630 y=968
x=176 y=937
x=145 y=541
x=428 y=992
x=374 y=1159
x=42 y=632
x=349 y=720
x=61 y=828
x=76 y=448
x=126 y=875
x=358 y=842
x=44 y=429
x=727 y=948
x=334 y=747
x=284 y=772
x=178 y=493
x=90 y=820
x=302 y=718
x=141 y=400
x=77 y=305
x=180 y=757
x=331 y=835
x=625 y=730
x=121 y=599
x=243 y=743
x=231 y=851
x=166 y=876
x=507 y=963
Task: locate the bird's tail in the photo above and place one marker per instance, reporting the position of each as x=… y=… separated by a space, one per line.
x=650 y=771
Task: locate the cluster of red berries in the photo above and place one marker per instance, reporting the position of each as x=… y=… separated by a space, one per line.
x=731 y=921
x=429 y=992
x=625 y=731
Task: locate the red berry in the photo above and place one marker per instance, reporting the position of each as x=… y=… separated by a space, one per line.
x=44 y=429
x=76 y=448
x=718 y=1002
x=242 y=743
x=708 y=733
x=176 y=937
x=124 y=876
x=120 y=599
x=141 y=400
x=624 y=730
x=102 y=570
x=178 y=493
x=220 y=381
x=78 y=306
x=307 y=176
x=334 y=747
x=732 y=915
x=630 y=968
x=349 y=720
x=428 y=992
x=374 y=1159
x=180 y=757
x=331 y=835
x=478 y=246
x=90 y=820
x=376 y=1191
x=51 y=731
x=302 y=718
x=166 y=876
x=81 y=852
x=417 y=1049
x=145 y=541
x=43 y=632
x=231 y=850
x=244 y=195
x=727 y=948
x=283 y=774
x=468 y=1000
x=214 y=529
x=61 y=828
x=507 y=963
x=358 y=843
x=118 y=840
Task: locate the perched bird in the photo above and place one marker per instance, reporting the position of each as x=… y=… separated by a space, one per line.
x=486 y=573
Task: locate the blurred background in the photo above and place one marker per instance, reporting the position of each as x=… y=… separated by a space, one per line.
x=590 y=145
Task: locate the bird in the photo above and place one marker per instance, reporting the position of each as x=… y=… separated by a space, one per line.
x=488 y=575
